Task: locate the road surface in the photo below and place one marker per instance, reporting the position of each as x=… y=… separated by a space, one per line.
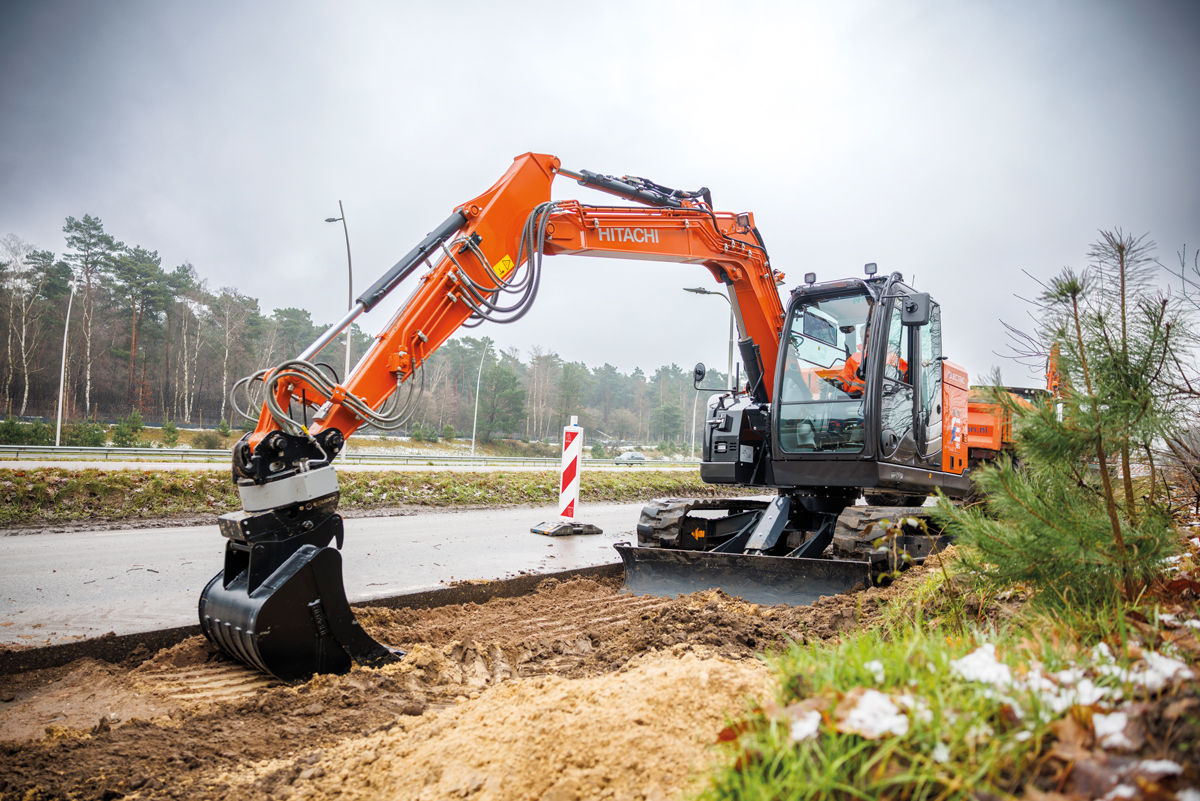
x=62 y=587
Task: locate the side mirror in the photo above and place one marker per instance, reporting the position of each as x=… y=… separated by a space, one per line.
x=915 y=309
x=698 y=373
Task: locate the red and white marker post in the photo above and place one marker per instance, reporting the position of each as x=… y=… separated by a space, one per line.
x=568 y=487
x=572 y=456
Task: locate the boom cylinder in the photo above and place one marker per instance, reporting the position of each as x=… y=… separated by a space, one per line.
x=401 y=269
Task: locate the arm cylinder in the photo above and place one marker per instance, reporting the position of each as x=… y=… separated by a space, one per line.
x=615 y=186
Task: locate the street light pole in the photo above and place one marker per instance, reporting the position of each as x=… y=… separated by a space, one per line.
x=478 y=378
x=62 y=373
x=699 y=290
x=695 y=401
x=349 y=282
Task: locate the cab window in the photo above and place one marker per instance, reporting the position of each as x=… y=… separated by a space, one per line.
x=822 y=392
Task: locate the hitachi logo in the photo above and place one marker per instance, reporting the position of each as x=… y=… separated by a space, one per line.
x=627 y=234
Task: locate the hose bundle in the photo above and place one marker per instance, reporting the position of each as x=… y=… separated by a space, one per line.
x=483 y=301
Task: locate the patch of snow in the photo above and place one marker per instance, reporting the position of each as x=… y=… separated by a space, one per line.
x=875 y=668
x=1023 y=736
x=1070 y=676
x=917 y=706
x=1158 y=767
x=1110 y=730
x=806 y=726
x=1120 y=791
x=1168 y=618
x=1192 y=624
x=1159 y=670
x=1153 y=674
x=1056 y=693
x=1187 y=794
x=940 y=753
x=1070 y=687
x=982 y=666
x=874 y=715
x=979 y=733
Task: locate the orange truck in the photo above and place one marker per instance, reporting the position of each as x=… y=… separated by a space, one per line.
x=989 y=422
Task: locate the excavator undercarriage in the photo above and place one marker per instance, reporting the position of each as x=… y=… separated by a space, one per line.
x=787 y=550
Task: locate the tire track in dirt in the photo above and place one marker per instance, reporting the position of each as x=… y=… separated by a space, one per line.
x=210 y=683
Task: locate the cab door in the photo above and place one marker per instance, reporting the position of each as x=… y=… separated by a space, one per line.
x=929 y=413
x=898 y=389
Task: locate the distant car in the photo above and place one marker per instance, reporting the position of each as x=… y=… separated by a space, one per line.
x=630 y=457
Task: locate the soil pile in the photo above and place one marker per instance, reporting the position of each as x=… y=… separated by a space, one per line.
x=576 y=690
x=642 y=733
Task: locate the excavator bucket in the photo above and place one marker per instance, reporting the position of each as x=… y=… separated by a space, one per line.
x=280 y=604
x=296 y=623
x=764 y=580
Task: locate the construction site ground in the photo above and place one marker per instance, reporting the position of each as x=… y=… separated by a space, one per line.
x=576 y=690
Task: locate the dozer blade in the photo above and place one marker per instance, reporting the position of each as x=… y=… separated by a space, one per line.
x=764 y=580
x=293 y=624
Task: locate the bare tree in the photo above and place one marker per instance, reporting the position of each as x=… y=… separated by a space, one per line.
x=232 y=313
x=15 y=251
x=92 y=253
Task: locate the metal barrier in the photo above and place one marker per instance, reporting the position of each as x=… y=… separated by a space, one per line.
x=70 y=453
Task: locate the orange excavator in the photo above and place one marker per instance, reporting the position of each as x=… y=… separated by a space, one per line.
x=846 y=390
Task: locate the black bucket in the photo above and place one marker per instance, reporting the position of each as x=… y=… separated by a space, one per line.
x=296 y=623
x=280 y=604
x=766 y=580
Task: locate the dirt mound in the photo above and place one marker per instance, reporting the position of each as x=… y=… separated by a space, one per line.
x=642 y=733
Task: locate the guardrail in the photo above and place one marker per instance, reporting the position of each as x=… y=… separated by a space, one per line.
x=69 y=454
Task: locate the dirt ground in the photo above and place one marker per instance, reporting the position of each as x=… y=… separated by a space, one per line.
x=574 y=691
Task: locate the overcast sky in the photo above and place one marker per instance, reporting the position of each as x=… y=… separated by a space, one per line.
x=956 y=142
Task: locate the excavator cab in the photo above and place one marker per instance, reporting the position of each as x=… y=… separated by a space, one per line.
x=861 y=404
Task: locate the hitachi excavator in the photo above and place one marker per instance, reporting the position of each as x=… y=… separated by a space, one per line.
x=846 y=391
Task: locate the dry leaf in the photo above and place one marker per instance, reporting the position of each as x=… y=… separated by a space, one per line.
x=1074 y=740
x=1032 y=793
x=1178 y=586
x=1184 y=640
x=1176 y=709
x=1092 y=777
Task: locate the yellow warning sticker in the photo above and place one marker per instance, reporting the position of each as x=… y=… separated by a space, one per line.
x=505 y=266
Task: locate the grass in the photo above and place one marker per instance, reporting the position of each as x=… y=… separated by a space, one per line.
x=951 y=744
x=47 y=496
x=963 y=737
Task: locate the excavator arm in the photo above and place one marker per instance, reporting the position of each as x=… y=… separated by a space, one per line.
x=489 y=250
x=279 y=603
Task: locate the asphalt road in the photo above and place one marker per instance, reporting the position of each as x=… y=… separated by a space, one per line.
x=62 y=587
